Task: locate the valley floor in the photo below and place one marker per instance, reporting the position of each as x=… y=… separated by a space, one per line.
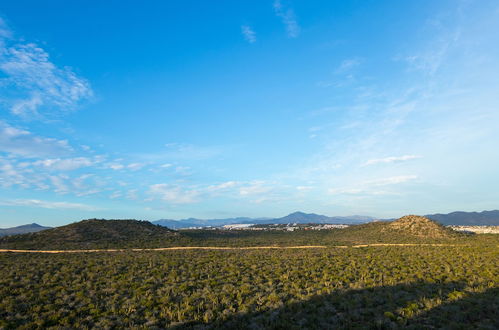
x=379 y=286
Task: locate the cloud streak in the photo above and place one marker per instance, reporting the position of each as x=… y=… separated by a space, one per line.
x=393 y=159
x=391 y=180
x=48 y=204
x=288 y=18
x=248 y=33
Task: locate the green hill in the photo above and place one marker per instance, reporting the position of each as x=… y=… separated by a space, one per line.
x=95 y=233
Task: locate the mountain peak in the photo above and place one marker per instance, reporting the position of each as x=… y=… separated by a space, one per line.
x=299 y=213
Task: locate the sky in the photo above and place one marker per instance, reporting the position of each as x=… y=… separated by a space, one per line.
x=176 y=109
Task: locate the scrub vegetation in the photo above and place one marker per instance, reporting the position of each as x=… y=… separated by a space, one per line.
x=380 y=287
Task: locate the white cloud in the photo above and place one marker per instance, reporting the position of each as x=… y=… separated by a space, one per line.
x=430 y=61
x=24 y=143
x=27 y=106
x=181 y=152
x=132 y=194
x=48 y=204
x=67 y=164
x=51 y=174
x=183 y=170
x=346 y=191
x=59 y=183
x=347 y=65
x=10 y=175
x=135 y=166
x=79 y=182
x=391 y=180
x=288 y=18
x=87 y=192
x=224 y=186
x=4 y=30
x=392 y=159
x=248 y=33
x=372 y=187
x=116 y=166
x=32 y=82
x=359 y=191
x=254 y=188
x=174 y=194
x=116 y=194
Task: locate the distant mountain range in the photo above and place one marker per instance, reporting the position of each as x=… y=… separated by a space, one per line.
x=485 y=218
x=24 y=229
x=296 y=217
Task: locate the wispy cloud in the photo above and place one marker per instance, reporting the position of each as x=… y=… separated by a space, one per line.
x=430 y=60
x=256 y=191
x=60 y=183
x=174 y=194
x=22 y=142
x=66 y=164
x=48 y=204
x=4 y=30
x=287 y=15
x=374 y=187
x=59 y=175
x=392 y=159
x=181 y=152
x=441 y=103
x=347 y=65
x=32 y=85
x=135 y=166
x=391 y=180
x=248 y=33
x=224 y=186
x=254 y=188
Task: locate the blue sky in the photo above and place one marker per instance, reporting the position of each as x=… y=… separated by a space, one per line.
x=173 y=109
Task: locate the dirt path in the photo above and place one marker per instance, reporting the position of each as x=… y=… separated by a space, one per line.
x=403 y=244
x=224 y=248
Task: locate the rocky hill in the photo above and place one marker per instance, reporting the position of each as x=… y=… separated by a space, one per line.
x=420 y=226
x=94 y=233
x=408 y=229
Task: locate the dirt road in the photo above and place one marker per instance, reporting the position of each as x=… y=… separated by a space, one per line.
x=224 y=248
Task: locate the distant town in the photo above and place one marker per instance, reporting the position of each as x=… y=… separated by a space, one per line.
x=318 y=226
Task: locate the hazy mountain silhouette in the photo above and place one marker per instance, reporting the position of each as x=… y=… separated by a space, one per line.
x=31 y=228
x=296 y=217
x=484 y=218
